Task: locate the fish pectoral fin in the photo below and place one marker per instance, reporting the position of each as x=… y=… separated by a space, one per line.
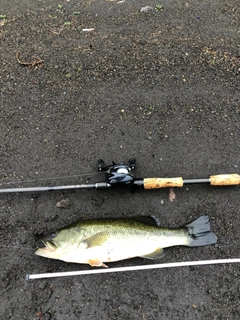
x=96 y=263
x=96 y=240
x=156 y=254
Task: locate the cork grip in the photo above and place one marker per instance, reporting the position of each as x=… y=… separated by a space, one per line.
x=225 y=180
x=155 y=183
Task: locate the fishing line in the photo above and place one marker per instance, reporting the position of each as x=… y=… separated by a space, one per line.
x=132 y=268
x=52 y=179
x=17 y=248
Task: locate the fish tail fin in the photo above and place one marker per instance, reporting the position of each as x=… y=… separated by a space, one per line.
x=200 y=233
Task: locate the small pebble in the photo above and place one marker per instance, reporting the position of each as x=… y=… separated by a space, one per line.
x=64 y=203
x=42 y=285
x=146 y=9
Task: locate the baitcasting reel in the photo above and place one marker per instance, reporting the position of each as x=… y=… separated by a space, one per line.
x=119 y=175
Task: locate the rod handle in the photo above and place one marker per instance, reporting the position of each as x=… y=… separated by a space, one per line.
x=156 y=183
x=225 y=180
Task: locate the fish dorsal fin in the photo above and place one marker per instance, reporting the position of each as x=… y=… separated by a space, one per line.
x=97 y=239
x=149 y=220
x=157 y=254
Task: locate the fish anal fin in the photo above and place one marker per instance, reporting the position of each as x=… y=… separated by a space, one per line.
x=96 y=263
x=156 y=254
x=96 y=240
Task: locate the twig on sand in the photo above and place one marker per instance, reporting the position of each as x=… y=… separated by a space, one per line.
x=24 y=63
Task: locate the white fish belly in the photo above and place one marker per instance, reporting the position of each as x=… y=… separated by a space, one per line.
x=115 y=249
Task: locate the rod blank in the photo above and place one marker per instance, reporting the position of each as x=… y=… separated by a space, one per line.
x=98 y=185
x=192 y=181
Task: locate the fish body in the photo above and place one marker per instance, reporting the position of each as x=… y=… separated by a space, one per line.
x=105 y=240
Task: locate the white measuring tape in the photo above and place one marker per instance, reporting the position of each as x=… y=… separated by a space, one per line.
x=132 y=268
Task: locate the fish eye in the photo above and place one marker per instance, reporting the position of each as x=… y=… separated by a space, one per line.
x=53 y=235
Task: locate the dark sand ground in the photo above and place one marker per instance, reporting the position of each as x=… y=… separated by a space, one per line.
x=161 y=86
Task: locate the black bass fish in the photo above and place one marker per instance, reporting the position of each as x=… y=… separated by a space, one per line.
x=105 y=240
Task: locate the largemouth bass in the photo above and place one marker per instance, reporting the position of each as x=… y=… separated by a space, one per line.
x=97 y=241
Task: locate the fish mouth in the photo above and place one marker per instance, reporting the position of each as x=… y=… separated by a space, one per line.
x=49 y=247
x=49 y=251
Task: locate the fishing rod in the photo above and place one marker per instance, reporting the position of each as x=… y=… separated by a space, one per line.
x=122 y=176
